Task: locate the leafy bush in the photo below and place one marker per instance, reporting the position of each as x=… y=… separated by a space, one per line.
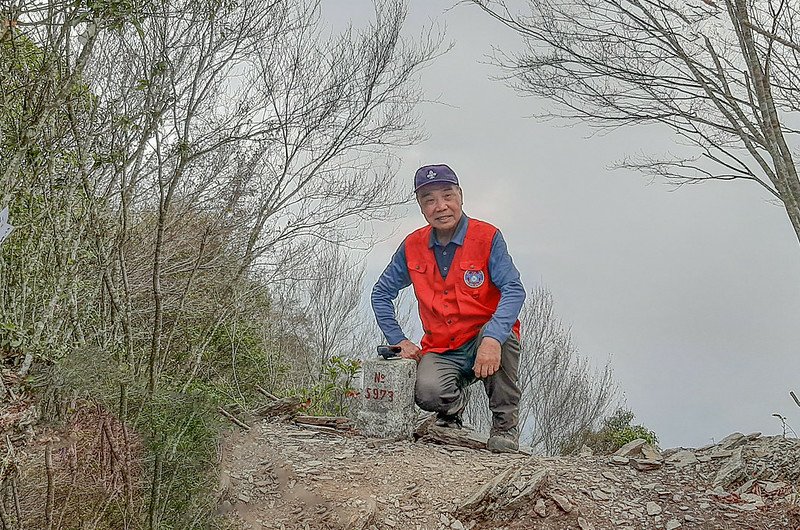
x=615 y=432
x=329 y=395
x=181 y=431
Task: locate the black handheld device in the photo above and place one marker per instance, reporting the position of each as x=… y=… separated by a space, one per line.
x=389 y=352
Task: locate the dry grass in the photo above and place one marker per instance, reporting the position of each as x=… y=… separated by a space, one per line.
x=85 y=474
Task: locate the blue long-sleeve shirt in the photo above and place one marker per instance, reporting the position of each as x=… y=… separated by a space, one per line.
x=502 y=273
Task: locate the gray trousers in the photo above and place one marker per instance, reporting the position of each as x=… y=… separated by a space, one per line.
x=442 y=378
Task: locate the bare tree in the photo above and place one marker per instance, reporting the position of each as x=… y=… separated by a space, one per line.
x=167 y=164
x=323 y=307
x=333 y=297
x=562 y=395
x=249 y=114
x=369 y=334
x=722 y=75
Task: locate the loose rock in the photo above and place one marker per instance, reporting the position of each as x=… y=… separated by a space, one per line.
x=682 y=459
x=631 y=449
x=562 y=502
x=731 y=470
x=540 y=508
x=619 y=460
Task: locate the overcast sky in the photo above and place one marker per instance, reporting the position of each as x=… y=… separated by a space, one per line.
x=693 y=294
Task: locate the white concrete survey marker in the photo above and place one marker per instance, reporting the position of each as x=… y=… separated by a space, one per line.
x=386 y=408
x=5 y=227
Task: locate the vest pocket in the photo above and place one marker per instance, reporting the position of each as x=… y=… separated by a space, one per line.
x=417 y=266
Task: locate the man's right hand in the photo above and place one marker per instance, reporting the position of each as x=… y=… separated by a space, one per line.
x=409 y=350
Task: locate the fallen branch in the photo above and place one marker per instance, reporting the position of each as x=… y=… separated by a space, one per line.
x=339 y=423
x=233 y=418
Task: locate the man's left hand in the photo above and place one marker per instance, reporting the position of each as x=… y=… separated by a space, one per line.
x=487 y=361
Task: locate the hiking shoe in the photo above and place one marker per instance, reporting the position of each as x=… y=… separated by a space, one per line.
x=449 y=421
x=503 y=442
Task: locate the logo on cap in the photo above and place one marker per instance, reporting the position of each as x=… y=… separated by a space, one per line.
x=434 y=175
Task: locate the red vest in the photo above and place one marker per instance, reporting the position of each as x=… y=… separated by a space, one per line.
x=453 y=310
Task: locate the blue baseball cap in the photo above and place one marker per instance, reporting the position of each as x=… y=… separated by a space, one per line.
x=433 y=174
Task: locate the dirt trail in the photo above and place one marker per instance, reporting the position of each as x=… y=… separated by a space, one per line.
x=282 y=476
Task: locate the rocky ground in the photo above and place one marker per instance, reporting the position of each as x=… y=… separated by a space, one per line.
x=283 y=476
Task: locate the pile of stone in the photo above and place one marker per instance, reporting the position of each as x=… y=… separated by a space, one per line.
x=743 y=460
x=739 y=482
x=738 y=459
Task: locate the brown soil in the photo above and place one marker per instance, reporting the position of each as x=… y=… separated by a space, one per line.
x=283 y=476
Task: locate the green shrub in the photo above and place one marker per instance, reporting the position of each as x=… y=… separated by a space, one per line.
x=329 y=396
x=628 y=434
x=615 y=432
x=181 y=431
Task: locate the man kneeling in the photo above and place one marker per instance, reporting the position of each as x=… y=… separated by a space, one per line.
x=469 y=315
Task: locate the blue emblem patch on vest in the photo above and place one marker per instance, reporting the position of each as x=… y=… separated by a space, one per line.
x=474 y=279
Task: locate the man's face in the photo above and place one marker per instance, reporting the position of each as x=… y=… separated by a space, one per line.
x=441 y=205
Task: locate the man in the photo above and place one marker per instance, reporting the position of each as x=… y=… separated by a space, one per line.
x=469 y=295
